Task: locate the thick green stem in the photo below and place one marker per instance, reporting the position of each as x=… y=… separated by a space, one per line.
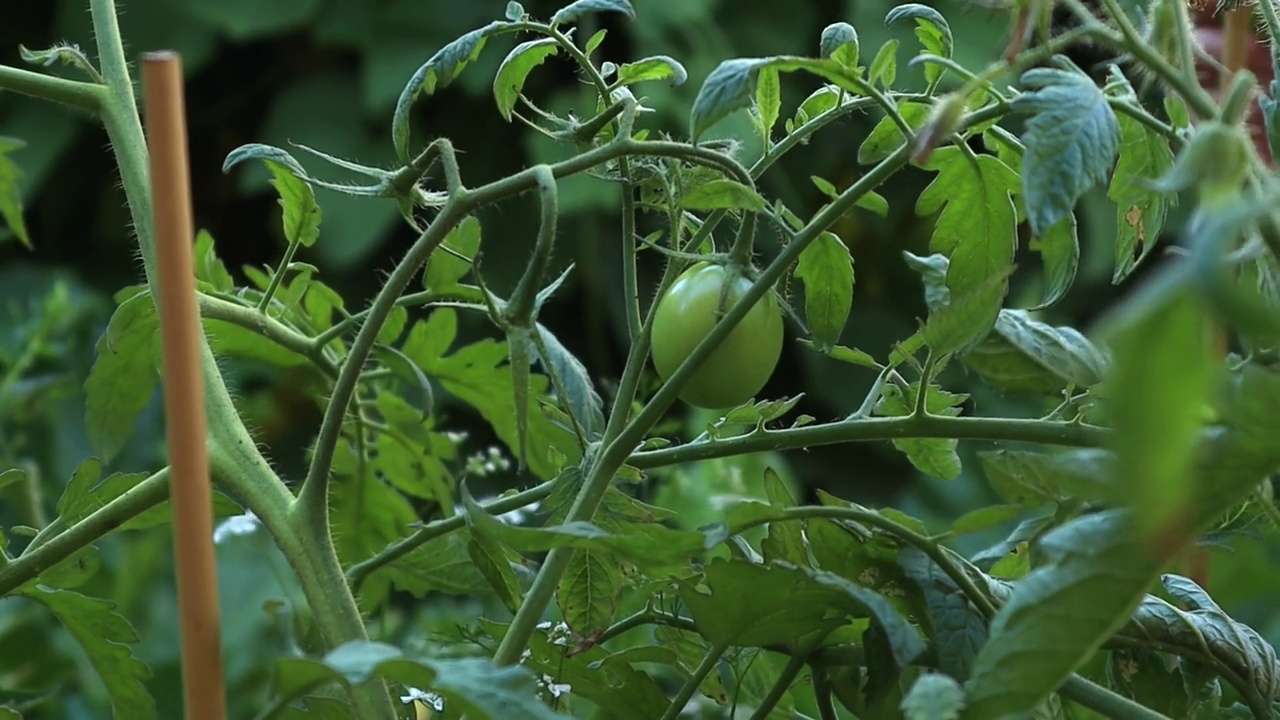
x=1105 y=702
x=780 y=686
x=72 y=93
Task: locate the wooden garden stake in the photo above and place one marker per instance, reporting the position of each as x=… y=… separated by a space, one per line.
x=191 y=499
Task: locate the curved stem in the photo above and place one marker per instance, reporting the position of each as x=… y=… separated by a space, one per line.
x=249 y=318
x=72 y=93
x=1105 y=702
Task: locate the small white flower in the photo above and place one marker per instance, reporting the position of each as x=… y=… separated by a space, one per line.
x=544 y=625
x=556 y=689
x=560 y=635
x=455 y=437
x=526 y=655
x=426 y=698
x=244 y=524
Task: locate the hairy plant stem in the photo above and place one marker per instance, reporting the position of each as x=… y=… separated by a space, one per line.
x=72 y=93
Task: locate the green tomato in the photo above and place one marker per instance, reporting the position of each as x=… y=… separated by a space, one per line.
x=743 y=363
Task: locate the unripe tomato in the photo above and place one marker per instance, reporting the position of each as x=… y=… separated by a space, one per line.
x=743 y=363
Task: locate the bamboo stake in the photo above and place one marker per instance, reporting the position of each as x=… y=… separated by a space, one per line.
x=202 y=677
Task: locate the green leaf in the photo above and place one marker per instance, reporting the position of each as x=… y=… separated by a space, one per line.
x=442 y=565
x=1203 y=627
x=1025 y=478
x=884 y=69
x=515 y=68
x=984 y=518
x=658 y=67
x=958 y=629
x=840 y=43
x=886 y=137
x=1141 y=210
x=580 y=398
x=857 y=556
x=932 y=456
x=1059 y=250
x=1027 y=356
x=124 y=375
x=933 y=270
x=105 y=637
x=934 y=697
x=932 y=30
x=492 y=561
x=731 y=86
x=575 y=10
x=977 y=227
x=768 y=99
x=968 y=318
x=1165 y=346
x=757 y=605
x=10 y=192
x=1059 y=615
x=853 y=356
x=301 y=216
x=723 y=193
x=477 y=375
x=606 y=680
x=474 y=686
x=826 y=269
x=588 y=592
x=1071 y=140
x=209 y=268
x=435 y=74
x=785 y=540
x=444 y=269
x=515 y=11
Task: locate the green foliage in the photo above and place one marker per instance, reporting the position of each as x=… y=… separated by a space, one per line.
x=651 y=568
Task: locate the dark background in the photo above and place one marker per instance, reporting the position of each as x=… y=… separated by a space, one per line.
x=326 y=73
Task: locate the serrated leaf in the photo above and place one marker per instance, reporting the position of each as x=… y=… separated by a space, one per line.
x=124 y=375
x=723 y=193
x=1071 y=140
x=1060 y=614
x=1025 y=355
x=933 y=696
x=657 y=67
x=515 y=68
x=474 y=686
x=884 y=68
x=301 y=216
x=1059 y=250
x=757 y=605
x=582 y=400
x=1026 y=478
x=768 y=99
x=932 y=30
x=886 y=137
x=785 y=540
x=10 y=192
x=105 y=637
x=731 y=86
x=491 y=560
x=840 y=43
x=209 y=268
x=588 y=592
x=1141 y=210
x=826 y=269
x=436 y=73
x=575 y=10
x=932 y=456
x=958 y=629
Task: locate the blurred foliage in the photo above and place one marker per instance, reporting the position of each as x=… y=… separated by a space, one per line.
x=326 y=73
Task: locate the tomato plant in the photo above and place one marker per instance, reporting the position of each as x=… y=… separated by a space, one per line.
x=605 y=553
x=742 y=364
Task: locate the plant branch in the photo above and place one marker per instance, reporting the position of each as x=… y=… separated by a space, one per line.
x=1104 y=701
x=250 y=318
x=72 y=93
x=359 y=572
x=41 y=556
x=1046 y=432
x=783 y=682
